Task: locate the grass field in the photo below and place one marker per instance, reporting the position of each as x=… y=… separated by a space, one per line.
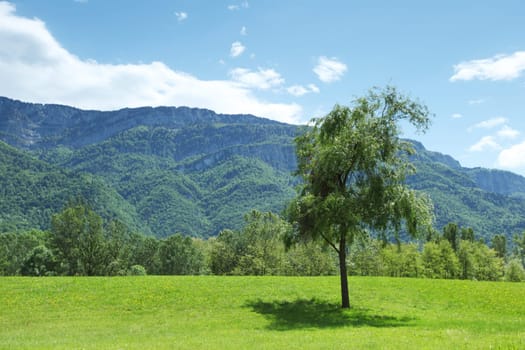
x=258 y=313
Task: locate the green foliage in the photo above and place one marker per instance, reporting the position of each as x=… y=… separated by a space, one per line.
x=40 y=262
x=452 y=235
x=479 y=262
x=457 y=198
x=401 y=260
x=514 y=271
x=309 y=259
x=499 y=244
x=78 y=240
x=354 y=165
x=178 y=256
x=137 y=270
x=31 y=191
x=176 y=186
x=15 y=247
x=439 y=260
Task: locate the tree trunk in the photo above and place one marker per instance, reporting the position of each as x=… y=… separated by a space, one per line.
x=345 y=298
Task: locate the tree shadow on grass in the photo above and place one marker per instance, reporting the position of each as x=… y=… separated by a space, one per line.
x=313 y=313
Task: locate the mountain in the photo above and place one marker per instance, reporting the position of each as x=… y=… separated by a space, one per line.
x=32 y=190
x=477 y=198
x=179 y=169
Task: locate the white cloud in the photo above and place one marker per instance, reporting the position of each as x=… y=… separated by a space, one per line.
x=500 y=67
x=35 y=67
x=486 y=143
x=244 y=31
x=476 y=101
x=299 y=90
x=513 y=157
x=263 y=79
x=243 y=5
x=237 y=49
x=489 y=124
x=329 y=69
x=181 y=16
x=506 y=132
x=456 y=116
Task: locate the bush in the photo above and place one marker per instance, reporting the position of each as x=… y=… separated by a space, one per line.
x=514 y=271
x=137 y=270
x=115 y=268
x=40 y=262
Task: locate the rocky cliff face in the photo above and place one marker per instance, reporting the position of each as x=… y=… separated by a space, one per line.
x=34 y=126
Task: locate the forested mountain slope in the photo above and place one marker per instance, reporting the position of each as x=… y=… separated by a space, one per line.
x=32 y=190
x=194 y=171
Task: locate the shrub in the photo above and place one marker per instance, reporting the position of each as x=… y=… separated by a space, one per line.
x=137 y=270
x=514 y=271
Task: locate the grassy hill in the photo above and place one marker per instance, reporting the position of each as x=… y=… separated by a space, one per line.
x=259 y=313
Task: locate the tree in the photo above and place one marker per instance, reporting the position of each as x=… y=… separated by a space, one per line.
x=14 y=248
x=144 y=251
x=452 y=234
x=353 y=165
x=225 y=252
x=178 y=256
x=467 y=234
x=499 y=244
x=309 y=259
x=39 y=262
x=479 y=262
x=514 y=271
x=519 y=247
x=118 y=247
x=263 y=239
x=439 y=260
x=78 y=241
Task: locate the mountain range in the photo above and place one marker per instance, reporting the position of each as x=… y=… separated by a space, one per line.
x=176 y=169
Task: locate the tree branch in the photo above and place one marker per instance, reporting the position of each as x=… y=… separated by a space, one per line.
x=330 y=243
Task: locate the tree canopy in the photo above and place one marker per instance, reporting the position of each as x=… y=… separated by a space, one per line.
x=353 y=165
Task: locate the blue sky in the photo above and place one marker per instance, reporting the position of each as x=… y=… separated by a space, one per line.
x=284 y=60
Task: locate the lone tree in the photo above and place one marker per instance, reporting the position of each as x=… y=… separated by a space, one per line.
x=353 y=165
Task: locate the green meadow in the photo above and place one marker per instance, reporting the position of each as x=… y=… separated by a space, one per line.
x=209 y=312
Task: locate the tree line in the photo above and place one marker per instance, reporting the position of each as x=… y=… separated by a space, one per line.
x=79 y=243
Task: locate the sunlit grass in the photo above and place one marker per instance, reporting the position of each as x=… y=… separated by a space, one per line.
x=258 y=312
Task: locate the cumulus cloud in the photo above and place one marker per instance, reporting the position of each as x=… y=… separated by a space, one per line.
x=237 y=49
x=263 y=79
x=329 y=69
x=35 y=67
x=486 y=143
x=299 y=90
x=512 y=158
x=244 y=31
x=499 y=67
x=181 y=16
x=456 y=116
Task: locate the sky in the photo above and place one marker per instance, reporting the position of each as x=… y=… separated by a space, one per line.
x=285 y=60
